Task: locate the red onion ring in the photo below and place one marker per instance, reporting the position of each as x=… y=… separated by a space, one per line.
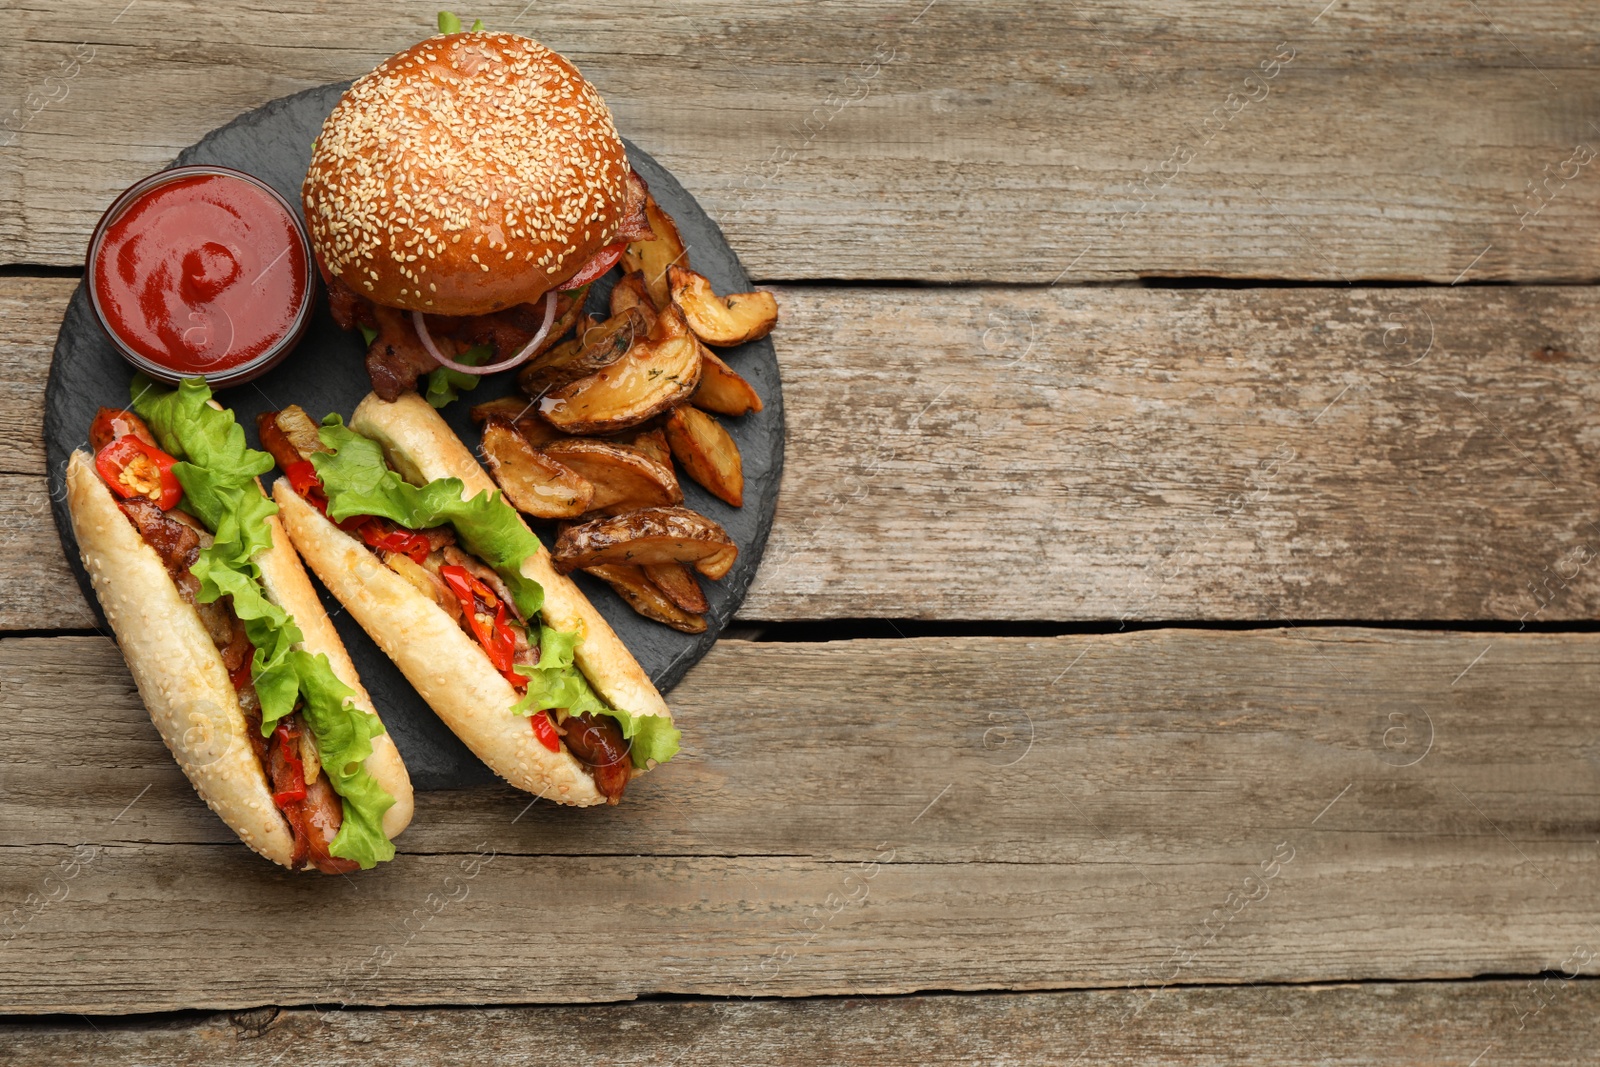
x=521 y=357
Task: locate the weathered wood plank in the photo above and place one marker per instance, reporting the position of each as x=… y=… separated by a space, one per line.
x=1134 y=454
x=1426 y=1022
x=869 y=817
x=1004 y=141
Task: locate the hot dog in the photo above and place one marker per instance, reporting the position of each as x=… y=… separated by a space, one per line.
x=456 y=589
x=243 y=675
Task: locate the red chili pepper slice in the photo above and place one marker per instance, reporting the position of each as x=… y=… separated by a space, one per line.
x=111 y=423
x=290 y=751
x=467 y=590
x=405 y=542
x=496 y=636
x=545 y=731
x=132 y=467
x=505 y=643
x=240 y=675
x=303 y=479
x=601 y=262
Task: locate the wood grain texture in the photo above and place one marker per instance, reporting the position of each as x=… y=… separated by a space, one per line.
x=1326 y=1026
x=869 y=817
x=1112 y=453
x=1006 y=141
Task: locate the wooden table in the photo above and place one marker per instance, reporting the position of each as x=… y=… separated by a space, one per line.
x=1174 y=642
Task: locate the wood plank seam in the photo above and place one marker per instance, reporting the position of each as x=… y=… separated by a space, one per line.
x=967 y=119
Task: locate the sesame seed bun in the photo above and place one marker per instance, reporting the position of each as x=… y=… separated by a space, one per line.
x=469 y=173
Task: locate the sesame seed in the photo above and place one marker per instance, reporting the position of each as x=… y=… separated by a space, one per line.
x=491 y=136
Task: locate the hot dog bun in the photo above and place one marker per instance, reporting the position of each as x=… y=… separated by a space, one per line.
x=422 y=447
x=443 y=664
x=180 y=674
x=446 y=666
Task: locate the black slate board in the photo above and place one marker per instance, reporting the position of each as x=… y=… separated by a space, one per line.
x=326 y=374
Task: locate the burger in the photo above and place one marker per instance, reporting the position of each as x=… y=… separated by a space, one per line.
x=460 y=199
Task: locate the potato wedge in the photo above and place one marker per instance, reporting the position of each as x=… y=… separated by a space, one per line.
x=654 y=257
x=707 y=453
x=722 y=320
x=520 y=412
x=596 y=346
x=643 y=596
x=722 y=389
x=650 y=535
x=653 y=443
x=508 y=408
x=533 y=482
x=680 y=585
x=624 y=478
x=717 y=565
x=631 y=292
x=655 y=374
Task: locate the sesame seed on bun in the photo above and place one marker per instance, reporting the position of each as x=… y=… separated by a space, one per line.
x=469 y=173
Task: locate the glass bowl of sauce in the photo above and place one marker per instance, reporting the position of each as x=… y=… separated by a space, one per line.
x=201 y=271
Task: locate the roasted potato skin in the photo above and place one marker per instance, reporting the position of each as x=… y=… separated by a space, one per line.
x=717 y=565
x=707 y=453
x=643 y=596
x=521 y=413
x=649 y=535
x=722 y=390
x=656 y=374
x=722 y=321
x=509 y=408
x=534 y=483
x=624 y=478
x=632 y=292
x=652 y=258
x=679 y=585
x=652 y=442
x=596 y=346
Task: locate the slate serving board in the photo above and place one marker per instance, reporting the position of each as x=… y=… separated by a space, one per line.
x=326 y=374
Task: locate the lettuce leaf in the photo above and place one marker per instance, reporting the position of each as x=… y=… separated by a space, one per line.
x=450 y=22
x=358 y=481
x=218 y=472
x=445 y=385
x=556 y=682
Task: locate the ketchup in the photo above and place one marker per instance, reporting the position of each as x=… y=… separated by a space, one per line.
x=202 y=274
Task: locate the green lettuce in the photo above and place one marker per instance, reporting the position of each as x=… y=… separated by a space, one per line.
x=556 y=682
x=445 y=386
x=450 y=22
x=218 y=472
x=358 y=481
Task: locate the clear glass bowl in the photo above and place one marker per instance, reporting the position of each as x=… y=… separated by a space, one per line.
x=239 y=373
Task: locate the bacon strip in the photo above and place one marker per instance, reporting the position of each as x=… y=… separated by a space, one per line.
x=635 y=224
x=397 y=359
x=177 y=543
